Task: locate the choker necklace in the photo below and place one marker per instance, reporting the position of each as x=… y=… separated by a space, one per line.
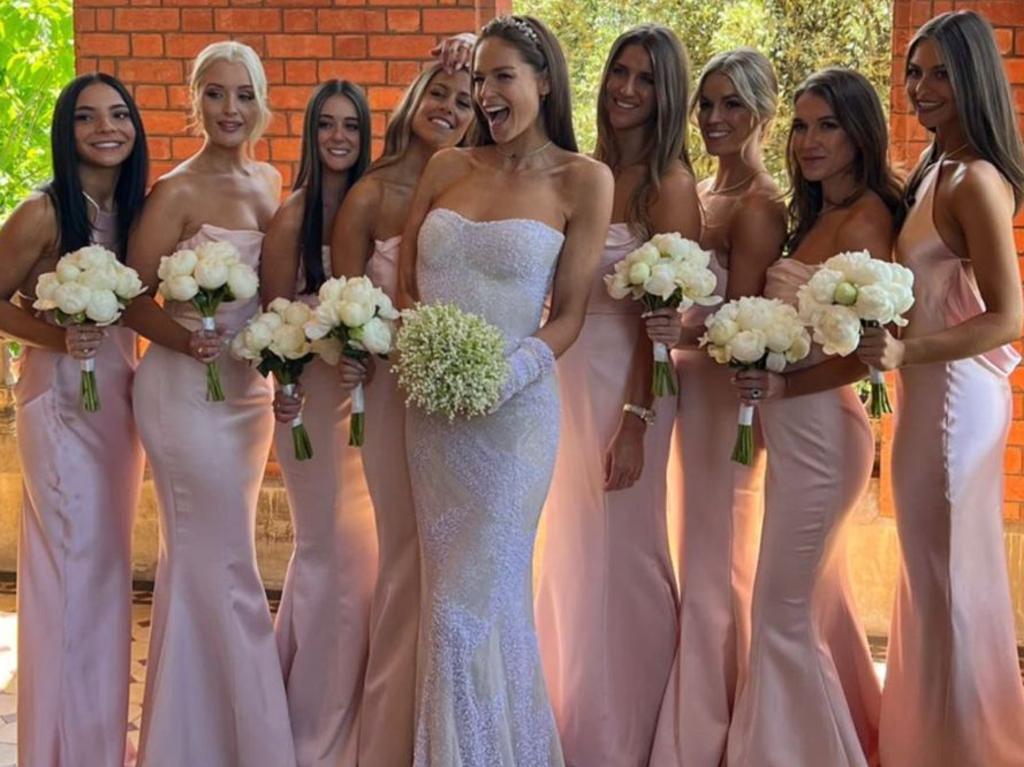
x=733 y=187
x=520 y=158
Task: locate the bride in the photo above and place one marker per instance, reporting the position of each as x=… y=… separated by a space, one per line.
x=493 y=229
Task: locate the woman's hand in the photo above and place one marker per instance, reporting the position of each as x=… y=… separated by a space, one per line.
x=288 y=407
x=755 y=386
x=624 y=459
x=456 y=52
x=664 y=326
x=83 y=341
x=354 y=372
x=880 y=350
x=205 y=345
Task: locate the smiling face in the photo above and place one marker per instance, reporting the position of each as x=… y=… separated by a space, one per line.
x=337 y=134
x=818 y=141
x=629 y=94
x=726 y=123
x=445 y=111
x=104 y=132
x=929 y=88
x=507 y=89
x=228 y=107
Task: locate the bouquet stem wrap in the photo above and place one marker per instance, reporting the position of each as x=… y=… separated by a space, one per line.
x=300 y=437
x=879 y=403
x=357 y=419
x=664 y=381
x=743 y=450
x=90 y=395
x=214 y=391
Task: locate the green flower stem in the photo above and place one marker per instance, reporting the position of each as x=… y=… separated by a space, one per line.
x=743 y=450
x=664 y=380
x=301 y=442
x=90 y=394
x=357 y=421
x=879 y=403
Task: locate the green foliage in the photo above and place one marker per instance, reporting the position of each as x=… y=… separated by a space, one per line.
x=799 y=36
x=36 y=59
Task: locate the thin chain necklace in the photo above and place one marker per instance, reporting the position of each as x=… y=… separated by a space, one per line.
x=734 y=187
x=962 y=147
x=528 y=155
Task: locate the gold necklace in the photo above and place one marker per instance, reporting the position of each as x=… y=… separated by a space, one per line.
x=519 y=158
x=962 y=147
x=735 y=186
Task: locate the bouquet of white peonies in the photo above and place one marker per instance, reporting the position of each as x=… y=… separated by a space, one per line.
x=666 y=271
x=277 y=339
x=356 y=319
x=849 y=292
x=88 y=286
x=450 y=362
x=754 y=332
x=206 y=277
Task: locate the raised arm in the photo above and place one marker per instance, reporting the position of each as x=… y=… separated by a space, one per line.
x=352 y=233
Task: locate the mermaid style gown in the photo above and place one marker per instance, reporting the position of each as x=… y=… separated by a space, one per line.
x=479 y=486
x=389 y=691
x=322 y=624
x=811 y=697
x=953 y=693
x=605 y=567
x=214 y=691
x=81 y=474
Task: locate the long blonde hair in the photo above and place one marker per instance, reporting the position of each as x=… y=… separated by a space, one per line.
x=399 y=131
x=236 y=53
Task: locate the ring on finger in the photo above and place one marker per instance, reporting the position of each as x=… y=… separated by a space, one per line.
x=756 y=394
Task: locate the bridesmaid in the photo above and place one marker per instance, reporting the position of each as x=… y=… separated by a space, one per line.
x=323 y=620
x=82 y=471
x=605 y=566
x=435 y=113
x=214 y=692
x=811 y=697
x=744 y=227
x=953 y=693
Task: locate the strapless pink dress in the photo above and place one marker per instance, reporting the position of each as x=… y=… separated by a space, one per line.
x=82 y=473
x=386 y=731
x=811 y=697
x=323 y=620
x=720 y=506
x=953 y=693
x=605 y=568
x=214 y=691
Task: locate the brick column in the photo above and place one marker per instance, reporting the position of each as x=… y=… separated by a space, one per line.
x=909 y=139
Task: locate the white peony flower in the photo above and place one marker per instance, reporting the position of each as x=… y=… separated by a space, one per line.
x=94 y=257
x=800 y=347
x=66 y=271
x=289 y=342
x=101 y=278
x=837 y=330
x=328 y=349
x=721 y=331
x=297 y=313
x=748 y=346
x=639 y=273
x=376 y=336
x=103 y=307
x=72 y=298
x=211 y=273
x=178 y=264
x=646 y=254
x=179 y=288
x=359 y=290
x=46 y=286
x=128 y=284
x=385 y=309
x=219 y=251
x=775 y=362
x=662 y=281
x=331 y=289
x=874 y=303
x=242 y=281
x=354 y=314
x=259 y=334
x=279 y=306
x=822 y=285
x=754 y=313
x=618 y=286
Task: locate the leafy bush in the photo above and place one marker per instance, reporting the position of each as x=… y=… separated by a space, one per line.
x=36 y=59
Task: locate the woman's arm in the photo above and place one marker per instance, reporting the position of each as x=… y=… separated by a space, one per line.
x=352 y=233
x=281 y=257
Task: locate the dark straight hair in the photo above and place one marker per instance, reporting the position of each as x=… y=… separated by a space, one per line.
x=540 y=49
x=311 y=172
x=857 y=108
x=65 y=188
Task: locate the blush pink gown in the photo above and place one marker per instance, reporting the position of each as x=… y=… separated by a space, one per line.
x=953 y=692
x=82 y=473
x=811 y=697
x=323 y=621
x=386 y=730
x=606 y=596
x=721 y=513
x=214 y=691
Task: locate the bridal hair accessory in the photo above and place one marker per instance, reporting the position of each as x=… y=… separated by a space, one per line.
x=526 y=29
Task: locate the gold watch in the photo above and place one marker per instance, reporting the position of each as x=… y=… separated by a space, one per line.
x=644 y=414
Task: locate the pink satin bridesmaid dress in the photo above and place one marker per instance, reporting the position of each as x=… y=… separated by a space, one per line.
x=953 y=693
x=386 y=730
x=811 y=697
x=215 y=695
x=606 y=598
x=82 y=473
x=323 y=623
x=721 y=503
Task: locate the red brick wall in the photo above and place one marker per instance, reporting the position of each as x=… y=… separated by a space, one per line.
x=379 y=44
x=1007 y=16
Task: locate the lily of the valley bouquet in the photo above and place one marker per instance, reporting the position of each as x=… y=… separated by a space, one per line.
x=277 y=339
x=88 y=286
x=849 y=292
x=666 y=271
x=754 y=332
x=450 y=362
x=206 y=277
x=354 y=318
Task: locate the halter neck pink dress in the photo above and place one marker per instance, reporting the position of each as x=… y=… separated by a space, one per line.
x=720 y=510
x=323 y=620
x=605 y=568
x=811 y=697
x=82 y=473
x=953 y=691
x=214 y=691
x=386 y=731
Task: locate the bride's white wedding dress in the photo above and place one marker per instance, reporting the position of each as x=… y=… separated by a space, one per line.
x=479 y=485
